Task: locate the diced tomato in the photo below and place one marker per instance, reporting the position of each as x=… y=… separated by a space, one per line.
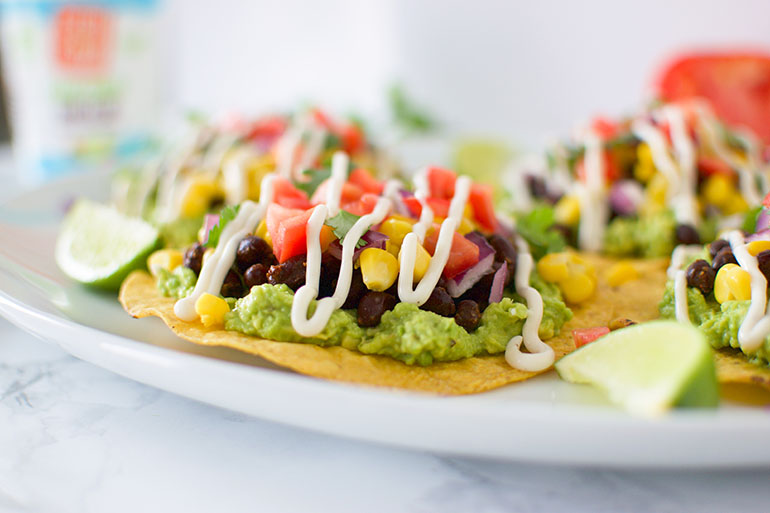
x=585 y=336
x=604 y=127
x=766 y=201
x=737 y=85
x=364 y=179
x=287 y=195
x=463 y=254
x=708 y=166
x=441 y=183
x=611 y=169
x=350 y=193
x=481 y=200
x=439 y=206
x=269 y=127
x=363 y=206
x=322 y=119
x=275 y=218
x=352 y=138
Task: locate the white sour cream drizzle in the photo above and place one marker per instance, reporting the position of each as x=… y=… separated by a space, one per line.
x=747 y=179
x=592 y=196
x=420 y=294
x=540 y=355
x=214 y=270
x=675 y=272
x=235 y=175
x=756 y=325
x=289 y=164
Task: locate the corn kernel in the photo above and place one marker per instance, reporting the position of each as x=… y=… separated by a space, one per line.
x=732 y=283
x=399 y=217
x=735 y=205
x=168 y=259
x=578 y=264
x=395 y=229
x=567 y=211
x=391 y=248
x=553 y=267
x=717 y=190
x=379 y=268
x=621 y=273
x=758 y=246
x=644 y=169
x=657 y=189
x=211 y=309
x=197 y=197
x=421 y=263
x=466 y=226
x=577 y=287
x=262 y=233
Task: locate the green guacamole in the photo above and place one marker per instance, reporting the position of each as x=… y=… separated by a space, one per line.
x=650 y=236
x=720 y=323
x=405 y=333
x=178 y=283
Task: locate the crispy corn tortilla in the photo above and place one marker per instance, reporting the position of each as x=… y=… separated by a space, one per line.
x=635 y=300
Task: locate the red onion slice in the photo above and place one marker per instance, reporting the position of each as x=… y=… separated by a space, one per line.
x=458 y=285
x=372 y=238
x=209 y=222
x=626 y=196
x=763 y=220
x=760 y=235
x=498 y=284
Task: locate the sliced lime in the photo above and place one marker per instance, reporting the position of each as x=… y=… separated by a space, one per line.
x=99 y=246
x=481 y=159
x=648 y=368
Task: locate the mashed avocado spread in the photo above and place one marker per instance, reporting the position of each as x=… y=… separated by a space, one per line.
x=648 y=236
x=720 y=323
x=405 y=333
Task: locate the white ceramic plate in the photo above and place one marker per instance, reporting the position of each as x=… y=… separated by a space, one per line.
x=543 y=420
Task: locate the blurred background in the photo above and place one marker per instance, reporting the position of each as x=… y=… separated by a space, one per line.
x=519 y=72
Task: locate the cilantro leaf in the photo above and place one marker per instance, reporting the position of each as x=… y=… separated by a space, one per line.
x=225 y=216
x=536 y=228
x=406 y=114
x=312 y=179
x=341 y=225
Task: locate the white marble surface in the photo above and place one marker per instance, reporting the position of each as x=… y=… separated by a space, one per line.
x=76 y=438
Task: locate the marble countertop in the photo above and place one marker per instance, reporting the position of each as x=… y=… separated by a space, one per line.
x=76 y=438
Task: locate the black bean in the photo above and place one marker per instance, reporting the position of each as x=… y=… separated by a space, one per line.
x=717 y=245
x=763 y=260
x=468 y=315
x=291 y=272
x=232 y=286
x=701 y=276
x=357 y=290
x=440 y=302
x=253 y=250
x=537 y=186
x=687 y=234
x=255 y=275
x=479 y=293
x=330 y=270
x=504 y=252
x=193 y=257
x=373 y=305
x=724 y=256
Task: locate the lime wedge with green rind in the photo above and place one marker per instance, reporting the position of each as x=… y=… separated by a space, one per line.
x=98 y=246
x=648 y=368
x=482 y=159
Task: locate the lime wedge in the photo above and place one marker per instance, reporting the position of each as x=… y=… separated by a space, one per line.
x=648 y=368
x=98 y=246
x=481 y=159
